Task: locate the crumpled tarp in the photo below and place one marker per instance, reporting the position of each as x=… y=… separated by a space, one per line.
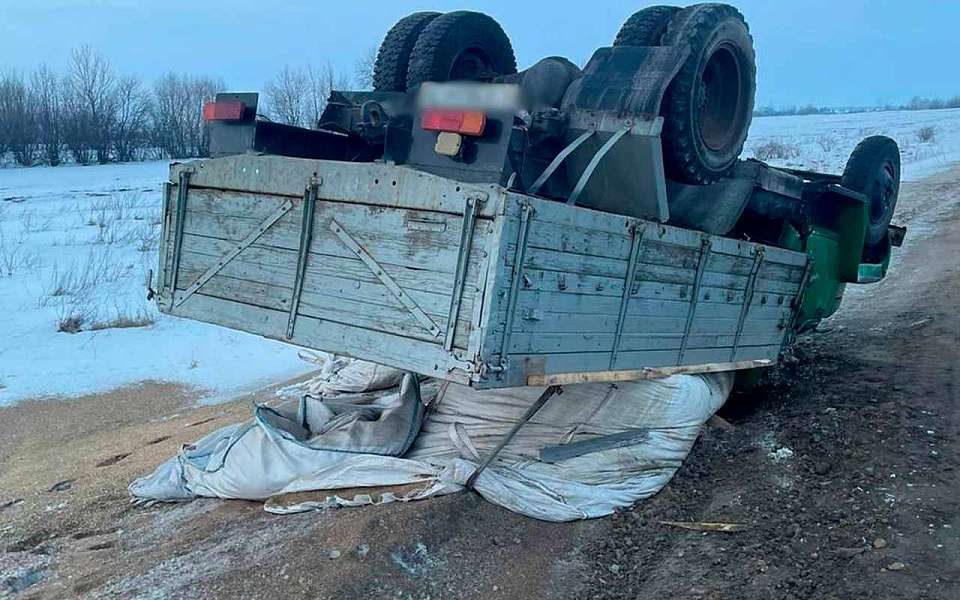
x=366 y=428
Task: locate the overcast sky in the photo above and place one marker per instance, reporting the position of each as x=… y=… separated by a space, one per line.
x=828 y=52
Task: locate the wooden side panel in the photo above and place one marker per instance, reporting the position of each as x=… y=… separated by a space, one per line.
x=415 y=249
x=692 y=298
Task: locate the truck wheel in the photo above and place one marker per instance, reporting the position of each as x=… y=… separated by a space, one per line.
x=390 y=68
x=645 y=27
x=873 y=169
x=709 y=104
x=461 y=45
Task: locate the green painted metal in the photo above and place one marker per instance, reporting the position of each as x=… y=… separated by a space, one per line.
x=835 y=245
x=873 y=272
x=825 y=288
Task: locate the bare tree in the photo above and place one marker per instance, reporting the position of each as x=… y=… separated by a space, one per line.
x=363 y=70
x=287 y=96
x=46 y=89
x=298 y=96
x=18 y=130
x=178 y=128
x=131 y=118
x=90 y=105
x=321 y=82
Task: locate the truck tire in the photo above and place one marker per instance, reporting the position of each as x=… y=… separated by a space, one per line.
x=390 y=68
x=461 y=45
x=873 y=169
x=645 y=27
x=708 y=106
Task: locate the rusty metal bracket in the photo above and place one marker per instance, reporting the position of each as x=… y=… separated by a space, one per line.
x=306 y=236
x=637 y=231
x=705 y=243
x=463 y=262
x=548 y=393
x=747 y=298
x=385 y=279
x=232 y=254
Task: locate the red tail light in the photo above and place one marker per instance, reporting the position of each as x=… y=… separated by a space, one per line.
x=225 y=110
x=455 y=121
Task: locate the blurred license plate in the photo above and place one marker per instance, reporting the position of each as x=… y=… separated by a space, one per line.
x=469 y=95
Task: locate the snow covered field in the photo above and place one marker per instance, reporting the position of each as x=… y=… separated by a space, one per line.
x=75 y=247
x=823 y=142
x=76 y=244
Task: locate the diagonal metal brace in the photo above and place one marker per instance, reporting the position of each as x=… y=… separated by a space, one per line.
x=548 y=393
x=385 y=279
x=306 y=236
x=226 y=258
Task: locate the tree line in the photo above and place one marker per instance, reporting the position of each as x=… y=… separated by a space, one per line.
x=916 y=103
x=91 y=114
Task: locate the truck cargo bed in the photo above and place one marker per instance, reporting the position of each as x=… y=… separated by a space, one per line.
x=465 y=282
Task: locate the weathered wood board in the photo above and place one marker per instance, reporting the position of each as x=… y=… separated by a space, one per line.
x=465 y=282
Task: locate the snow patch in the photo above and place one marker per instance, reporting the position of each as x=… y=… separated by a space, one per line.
x=824 y=142
x=76 y=244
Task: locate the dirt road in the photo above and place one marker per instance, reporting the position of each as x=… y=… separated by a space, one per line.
x=843 y=469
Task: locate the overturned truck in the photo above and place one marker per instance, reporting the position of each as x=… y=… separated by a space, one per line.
x=497 y=228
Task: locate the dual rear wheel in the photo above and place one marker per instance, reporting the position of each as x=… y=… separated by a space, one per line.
x=430 y=46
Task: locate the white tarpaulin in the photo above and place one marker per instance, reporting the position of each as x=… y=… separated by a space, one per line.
x=587 y=452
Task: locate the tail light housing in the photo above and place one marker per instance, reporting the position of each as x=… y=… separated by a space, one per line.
x=464 y=122
x=224 y=110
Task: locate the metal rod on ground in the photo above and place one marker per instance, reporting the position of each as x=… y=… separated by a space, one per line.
x=534 y=408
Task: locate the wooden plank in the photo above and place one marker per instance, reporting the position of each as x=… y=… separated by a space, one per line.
x=265 y=258
x=645 y=373
x=390 y=319
x=597 y=313
x=344 y=340
x=577 y=240
x=324 y=285
x=549 y=343
x=647 y=324
x=377 y=184
x=389 y=248
x=572 y=283
x=416 y=228
x=559 y=213
x=559 y=287
x=525 y=365
x=550 y=260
